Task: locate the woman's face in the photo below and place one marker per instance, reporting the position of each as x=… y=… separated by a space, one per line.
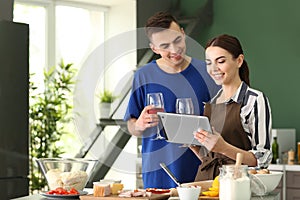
x=221 y=65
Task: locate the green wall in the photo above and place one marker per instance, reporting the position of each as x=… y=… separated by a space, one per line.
x=269 y=31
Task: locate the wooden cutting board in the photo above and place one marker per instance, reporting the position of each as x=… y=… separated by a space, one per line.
x=153 y=197
x=204 y=185
x=116 y=197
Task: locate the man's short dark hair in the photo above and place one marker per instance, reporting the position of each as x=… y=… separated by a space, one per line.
x=159 y=22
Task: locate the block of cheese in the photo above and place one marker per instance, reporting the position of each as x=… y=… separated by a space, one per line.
x=101 y=189
x=116 y=188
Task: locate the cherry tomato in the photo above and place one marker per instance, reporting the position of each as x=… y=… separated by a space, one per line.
x=73 y=191
x=62 y=191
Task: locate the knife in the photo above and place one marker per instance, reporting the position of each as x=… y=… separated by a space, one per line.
x=171 y=175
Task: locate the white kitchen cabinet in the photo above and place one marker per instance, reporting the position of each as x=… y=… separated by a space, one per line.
x=290 y=183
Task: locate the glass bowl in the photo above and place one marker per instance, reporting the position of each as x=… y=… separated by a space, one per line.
x=66 y=172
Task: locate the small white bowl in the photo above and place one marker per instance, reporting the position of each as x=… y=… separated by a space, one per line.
x=189 y=193
x=270 y=180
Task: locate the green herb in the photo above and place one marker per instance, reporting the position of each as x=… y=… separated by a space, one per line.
x=107 y=97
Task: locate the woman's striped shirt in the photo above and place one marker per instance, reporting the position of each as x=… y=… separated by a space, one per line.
x=256 y=120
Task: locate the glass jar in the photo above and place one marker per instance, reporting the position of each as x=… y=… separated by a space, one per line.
x=234 y=183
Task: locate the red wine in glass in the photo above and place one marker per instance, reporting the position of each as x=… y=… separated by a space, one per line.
x=156 y=99
x=155 y=110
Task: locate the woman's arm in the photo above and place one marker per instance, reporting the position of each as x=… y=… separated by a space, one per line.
x=231 y=151
x=260 y=126
x=215 y=143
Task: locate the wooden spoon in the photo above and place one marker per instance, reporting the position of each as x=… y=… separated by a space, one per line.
x=238 y=162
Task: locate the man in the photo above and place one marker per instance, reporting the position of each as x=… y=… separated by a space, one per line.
x=176 y=75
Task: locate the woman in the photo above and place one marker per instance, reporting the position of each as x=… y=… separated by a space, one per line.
x=240 y=115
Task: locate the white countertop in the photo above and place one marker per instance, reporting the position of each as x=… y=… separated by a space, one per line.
x=284 y=168
x=272 y=196
x=281 y=167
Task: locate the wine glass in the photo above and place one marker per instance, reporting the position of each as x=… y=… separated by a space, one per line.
x=156 y=99
x=184 y=106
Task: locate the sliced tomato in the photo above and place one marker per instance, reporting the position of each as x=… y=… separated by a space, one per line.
x=50 y=192
x=62 y=191
x=73 y=191
x=157 y=191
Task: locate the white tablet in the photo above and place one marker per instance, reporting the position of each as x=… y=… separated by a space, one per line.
x=179 y=128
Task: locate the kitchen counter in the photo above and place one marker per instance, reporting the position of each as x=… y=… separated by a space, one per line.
x=40 y=197
x=284 y=167
x=272 y=196
x=289 y=185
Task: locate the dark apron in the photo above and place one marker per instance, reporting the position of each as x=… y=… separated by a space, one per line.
x=225 y=118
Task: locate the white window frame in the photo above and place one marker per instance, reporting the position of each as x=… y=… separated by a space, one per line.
x=49 y=5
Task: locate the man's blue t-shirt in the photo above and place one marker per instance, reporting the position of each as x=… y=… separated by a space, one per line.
x=194 y=82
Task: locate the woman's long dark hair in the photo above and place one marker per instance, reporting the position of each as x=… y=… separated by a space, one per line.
x=233 y=46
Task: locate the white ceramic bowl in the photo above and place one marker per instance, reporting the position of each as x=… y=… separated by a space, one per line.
x=203 y=184
x=66 y=173
x=189 y=193
x=270 y=180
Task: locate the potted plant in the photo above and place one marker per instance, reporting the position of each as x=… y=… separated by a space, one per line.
x=106 y=99
x=49 y=112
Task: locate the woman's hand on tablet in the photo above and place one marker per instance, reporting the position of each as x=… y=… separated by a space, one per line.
x=212 y=142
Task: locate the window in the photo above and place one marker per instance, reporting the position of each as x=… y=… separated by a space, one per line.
x=36 y=17
x=60 y=30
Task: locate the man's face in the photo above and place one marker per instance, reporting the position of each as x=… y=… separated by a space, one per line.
x=170 y=44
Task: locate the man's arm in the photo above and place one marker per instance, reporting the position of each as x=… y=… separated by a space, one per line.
x=136 y=127
x=131 y=123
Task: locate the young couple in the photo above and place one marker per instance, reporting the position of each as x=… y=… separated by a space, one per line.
x=219 y=88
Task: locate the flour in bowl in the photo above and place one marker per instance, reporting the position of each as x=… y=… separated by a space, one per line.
x=67 y=180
